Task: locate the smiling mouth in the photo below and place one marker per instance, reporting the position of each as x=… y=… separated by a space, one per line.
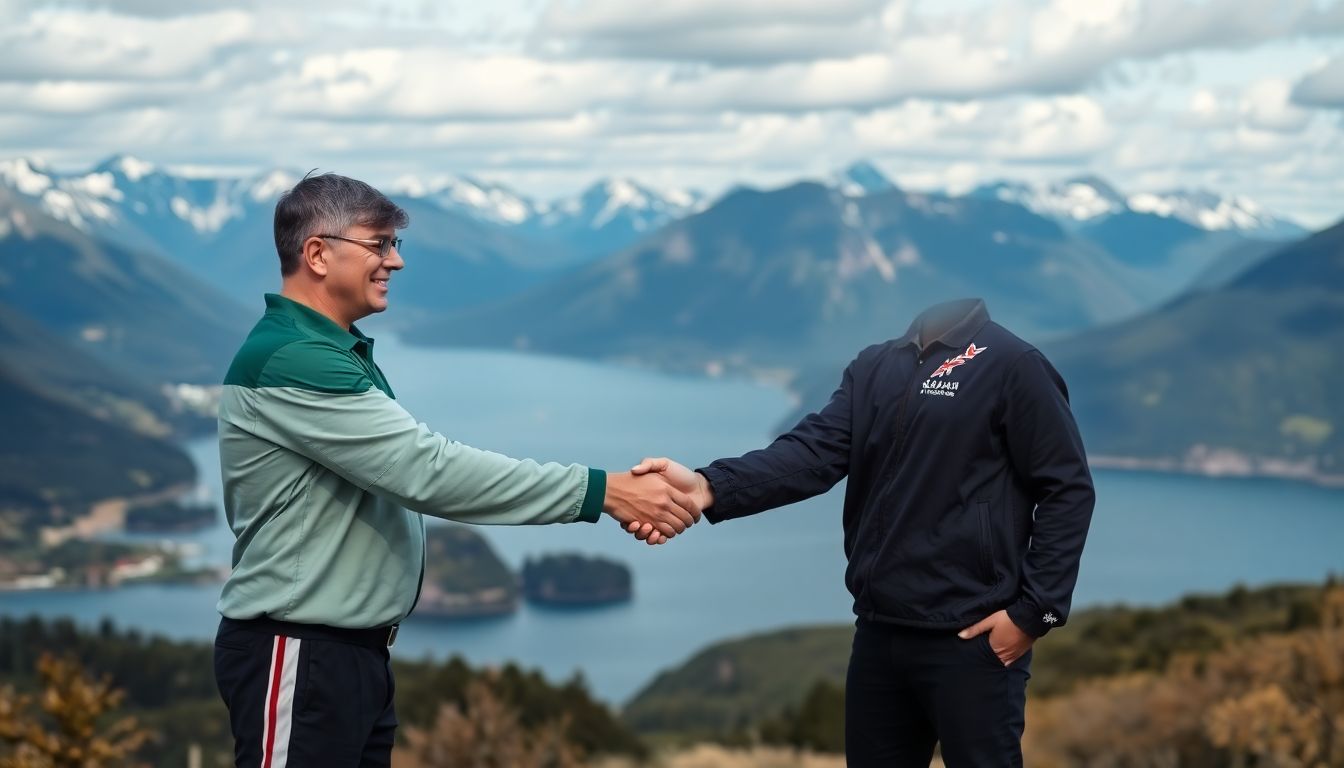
x=382 y=282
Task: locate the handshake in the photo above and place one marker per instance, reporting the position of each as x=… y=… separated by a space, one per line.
x=657 y=499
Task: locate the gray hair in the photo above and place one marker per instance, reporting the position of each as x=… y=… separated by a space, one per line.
x=328 y=204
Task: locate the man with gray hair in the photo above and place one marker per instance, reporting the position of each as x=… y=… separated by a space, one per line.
x=326 y=478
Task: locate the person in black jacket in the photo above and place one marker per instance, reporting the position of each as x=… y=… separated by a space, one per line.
x=966 y=510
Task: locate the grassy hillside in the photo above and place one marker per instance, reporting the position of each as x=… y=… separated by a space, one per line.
x=739 y=682
x=55 y=456
x=76 y=431
x=1249 y=367
x=136 y=311
x=63 y=372
x=744 y=682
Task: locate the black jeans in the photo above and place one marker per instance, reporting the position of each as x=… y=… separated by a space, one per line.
x=304 y=702
x=909 y=689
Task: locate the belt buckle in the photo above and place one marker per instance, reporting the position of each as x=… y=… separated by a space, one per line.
x=392 y=635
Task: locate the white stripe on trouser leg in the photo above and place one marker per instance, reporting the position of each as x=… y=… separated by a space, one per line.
x=285 y=709
x=279 y=710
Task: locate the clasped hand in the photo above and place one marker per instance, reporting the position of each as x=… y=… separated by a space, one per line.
x=657 y=499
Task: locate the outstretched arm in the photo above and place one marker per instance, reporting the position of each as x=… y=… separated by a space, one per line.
x=805 y=461
x=324 y=407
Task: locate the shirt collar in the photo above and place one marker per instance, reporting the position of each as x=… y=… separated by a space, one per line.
x=315 y=321
x=972 y=316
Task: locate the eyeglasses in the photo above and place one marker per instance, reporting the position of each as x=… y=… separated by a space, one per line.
x=384 y=243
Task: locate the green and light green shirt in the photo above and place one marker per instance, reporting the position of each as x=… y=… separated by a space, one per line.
x=324 y=474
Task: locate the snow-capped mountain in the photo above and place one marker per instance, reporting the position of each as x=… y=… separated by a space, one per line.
x=611 y=214
x=859 y=179
x=78 y=200
x=603 y=217
x=1076 y=200
x=597 y=207
x=1087 y=199
x=482 y=200
x=617 y=202
x=134 y=202
x=1213 y=212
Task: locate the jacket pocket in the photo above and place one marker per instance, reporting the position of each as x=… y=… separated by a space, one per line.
x=986 y=544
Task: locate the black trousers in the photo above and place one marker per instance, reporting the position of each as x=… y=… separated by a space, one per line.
x=298 y=698
x=909 y=689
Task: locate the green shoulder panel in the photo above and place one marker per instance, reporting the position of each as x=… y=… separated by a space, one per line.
x=278 y=354
x=316 y=366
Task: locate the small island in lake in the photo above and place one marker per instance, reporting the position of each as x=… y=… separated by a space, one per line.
x=576 y=580
x=464 y=578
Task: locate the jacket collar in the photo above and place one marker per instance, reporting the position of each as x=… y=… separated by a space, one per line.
x=315 y=321
x=970 y=316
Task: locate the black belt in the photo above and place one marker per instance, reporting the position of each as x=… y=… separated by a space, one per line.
x=374 y=637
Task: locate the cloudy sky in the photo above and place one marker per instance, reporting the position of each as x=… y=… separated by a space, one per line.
x=1238 y=96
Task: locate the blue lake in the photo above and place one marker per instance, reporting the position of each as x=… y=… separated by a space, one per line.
x=1154 y=537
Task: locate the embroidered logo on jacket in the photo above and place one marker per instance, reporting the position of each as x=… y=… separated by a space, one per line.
x=959 y=360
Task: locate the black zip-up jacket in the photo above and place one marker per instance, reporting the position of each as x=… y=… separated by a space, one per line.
x=968 y=492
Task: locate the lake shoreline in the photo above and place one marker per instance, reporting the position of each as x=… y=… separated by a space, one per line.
x=1253 y=468
x=1201 y=461
x=693 y=593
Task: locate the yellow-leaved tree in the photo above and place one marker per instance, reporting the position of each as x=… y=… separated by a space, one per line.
x=486 y=733
x=71 y=727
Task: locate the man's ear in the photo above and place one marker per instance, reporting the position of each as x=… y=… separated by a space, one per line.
x=314 y=256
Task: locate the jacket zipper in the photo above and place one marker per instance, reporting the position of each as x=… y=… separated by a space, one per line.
x=901 y=410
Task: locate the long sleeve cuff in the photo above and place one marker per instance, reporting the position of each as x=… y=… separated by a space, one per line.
x=1033 y=620
x=591 y=511
x=723 y=491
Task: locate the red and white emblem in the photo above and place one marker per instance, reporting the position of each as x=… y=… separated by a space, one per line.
x=959 y=360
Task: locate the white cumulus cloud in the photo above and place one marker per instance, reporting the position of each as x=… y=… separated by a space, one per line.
x=549 y=94
x=1322 y=87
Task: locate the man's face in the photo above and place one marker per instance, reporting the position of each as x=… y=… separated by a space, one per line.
x=357 y=275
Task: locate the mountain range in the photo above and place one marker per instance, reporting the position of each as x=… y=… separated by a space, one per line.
x=1176 y=237
x=789 y=276
x=1088 y=199
x=97 y=341
x=154 y=277
x=480 y=240
x=485 y=241
x=1241 y=378
x=605 y=216
x=221 y=229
